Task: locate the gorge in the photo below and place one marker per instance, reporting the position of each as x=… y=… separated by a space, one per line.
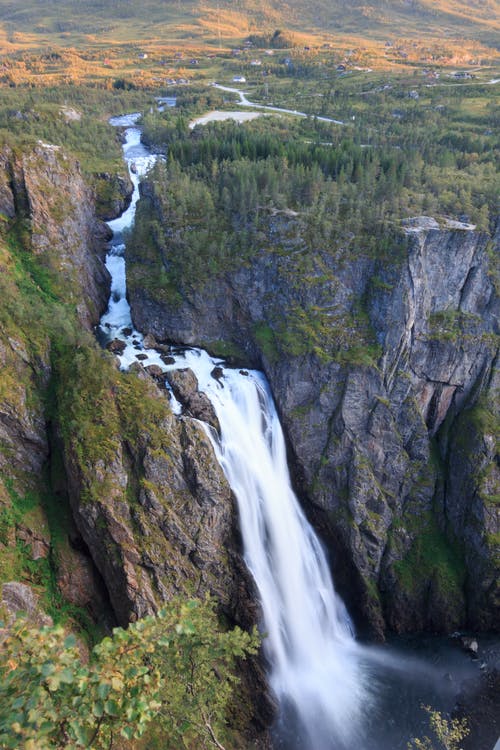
x=392 y=441
x=316 y=669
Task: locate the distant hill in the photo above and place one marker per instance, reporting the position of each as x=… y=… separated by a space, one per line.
x=44 y=21
x=376 y=18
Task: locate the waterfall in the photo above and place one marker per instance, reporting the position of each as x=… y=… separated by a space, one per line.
x=315 y=667
x=325 y=682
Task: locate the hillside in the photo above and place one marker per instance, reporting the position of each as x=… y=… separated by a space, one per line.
x=32 y=23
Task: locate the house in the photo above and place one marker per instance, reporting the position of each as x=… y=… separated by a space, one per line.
x=142 y=56
x=239 y=79
x=256 y=62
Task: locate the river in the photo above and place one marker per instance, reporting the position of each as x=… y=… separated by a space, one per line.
x=334 y=693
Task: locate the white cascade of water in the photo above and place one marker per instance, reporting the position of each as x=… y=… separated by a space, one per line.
x=316 y=668
x=117 y=317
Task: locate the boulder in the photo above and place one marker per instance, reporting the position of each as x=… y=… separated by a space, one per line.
x=149 y=341
x=185 y=387
x=167 y=359
x=217 y=373
x=117 y=346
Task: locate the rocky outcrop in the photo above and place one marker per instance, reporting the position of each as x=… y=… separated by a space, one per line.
x=161 y=520
x=54 y=253
x=51 y=252
x=43 y=188
x=23 y=440
x=185 y=387
x=156 y=512
x=113 y=193
x=377 y=367
x=17 y=597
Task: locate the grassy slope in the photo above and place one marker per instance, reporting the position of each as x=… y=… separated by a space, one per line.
x=35 y=23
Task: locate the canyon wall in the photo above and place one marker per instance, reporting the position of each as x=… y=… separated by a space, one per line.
x=384 y=371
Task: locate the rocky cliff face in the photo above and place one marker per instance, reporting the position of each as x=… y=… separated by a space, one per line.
x=153 y=506
x=43 y=189
x=51 y=251
x=53 y=230
x=161 y=519
x=384 y=373
x=99 y=483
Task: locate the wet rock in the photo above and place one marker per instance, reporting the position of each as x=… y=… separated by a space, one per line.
x=217 y=373
x=184 y=384
x=163 y=348
x=117 y=346
x=156 y=372
x=141 y=357
x=167 y=359
x=149 y=341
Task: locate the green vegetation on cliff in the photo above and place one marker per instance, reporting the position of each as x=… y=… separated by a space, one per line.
x=167 y=678
x=66 y=409
x=300 y=197
x=439 y=562
x=34 y=520
x=74 y=118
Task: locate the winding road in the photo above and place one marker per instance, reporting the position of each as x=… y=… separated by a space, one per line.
x=246 y=103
